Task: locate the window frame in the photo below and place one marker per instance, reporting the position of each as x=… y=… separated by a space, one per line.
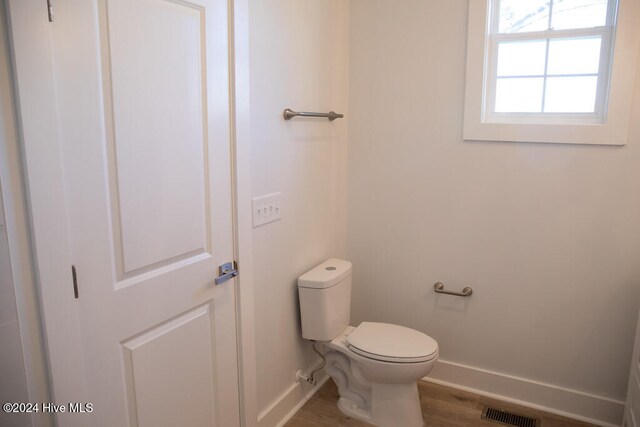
x=607 y=34
x=608 y=125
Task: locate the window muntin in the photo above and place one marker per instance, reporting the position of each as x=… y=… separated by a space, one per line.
x=548 y=58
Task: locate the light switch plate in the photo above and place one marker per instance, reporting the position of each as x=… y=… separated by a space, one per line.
x=266 y=209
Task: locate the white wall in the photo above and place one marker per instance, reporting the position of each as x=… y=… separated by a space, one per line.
x=632 y=407
x=298 y=60
x=548 y=236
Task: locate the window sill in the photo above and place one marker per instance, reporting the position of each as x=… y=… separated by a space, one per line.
x=593 y=134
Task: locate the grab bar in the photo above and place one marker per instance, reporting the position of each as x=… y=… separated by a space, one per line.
x=331 y=115
x=439 y=288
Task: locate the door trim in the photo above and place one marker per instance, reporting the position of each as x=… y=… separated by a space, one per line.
x=241 y=182
x=42 y=161
x=16 y=219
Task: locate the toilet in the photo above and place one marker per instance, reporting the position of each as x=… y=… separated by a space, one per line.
x=375 y=365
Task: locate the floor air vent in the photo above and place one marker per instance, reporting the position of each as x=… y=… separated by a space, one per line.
x=508 y=418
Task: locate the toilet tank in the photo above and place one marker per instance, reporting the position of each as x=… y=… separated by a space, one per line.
x=325 y=300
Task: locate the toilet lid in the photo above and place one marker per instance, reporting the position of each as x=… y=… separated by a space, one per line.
x=392 y=343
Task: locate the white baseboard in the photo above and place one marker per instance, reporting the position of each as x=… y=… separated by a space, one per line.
x=546 y=397
x=288 y=403
x=566 y=402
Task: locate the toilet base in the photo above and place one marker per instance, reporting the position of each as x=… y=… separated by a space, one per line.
x=380 y=404
x=353 y=410
x=392 y=405
x=396 y=405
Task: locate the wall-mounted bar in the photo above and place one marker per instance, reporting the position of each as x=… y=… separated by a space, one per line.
x=331 y=115
x=439 y=288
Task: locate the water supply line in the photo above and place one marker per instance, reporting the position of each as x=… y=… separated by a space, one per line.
x=310 y=378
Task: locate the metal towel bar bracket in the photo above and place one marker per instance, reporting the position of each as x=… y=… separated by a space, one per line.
x=439 y=288
x=289 y=114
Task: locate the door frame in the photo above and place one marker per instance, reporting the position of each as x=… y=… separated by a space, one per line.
x=42 y=163
x=243 y=229
x=17 y=226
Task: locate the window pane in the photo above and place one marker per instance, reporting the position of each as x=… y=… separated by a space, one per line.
x=517 y=16
x=574 y=56
x=519 y=95
x=570 y=95
x=521 y=58
x=578 y=14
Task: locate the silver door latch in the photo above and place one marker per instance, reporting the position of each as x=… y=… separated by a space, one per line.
x=226 y=271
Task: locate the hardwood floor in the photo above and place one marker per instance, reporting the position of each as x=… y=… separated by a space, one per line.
x=441 y=406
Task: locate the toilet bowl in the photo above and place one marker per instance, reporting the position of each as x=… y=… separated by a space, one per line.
x=372 y=387
x=375 y=365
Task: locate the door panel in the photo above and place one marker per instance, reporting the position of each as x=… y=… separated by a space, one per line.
x=159 y=168
x=142 y=96
x=169 y=371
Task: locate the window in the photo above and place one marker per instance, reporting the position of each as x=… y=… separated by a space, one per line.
x=549 y=57
x=547 y=70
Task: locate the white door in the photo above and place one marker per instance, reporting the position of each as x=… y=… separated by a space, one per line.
x=142 y=102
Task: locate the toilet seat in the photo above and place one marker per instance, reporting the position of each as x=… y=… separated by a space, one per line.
x=391 y=343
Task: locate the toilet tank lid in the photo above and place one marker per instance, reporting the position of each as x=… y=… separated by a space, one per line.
x=325 y=275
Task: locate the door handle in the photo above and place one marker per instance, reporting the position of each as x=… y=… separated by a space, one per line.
x=226 y=271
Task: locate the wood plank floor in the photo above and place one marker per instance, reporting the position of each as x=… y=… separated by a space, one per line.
x=441 y=406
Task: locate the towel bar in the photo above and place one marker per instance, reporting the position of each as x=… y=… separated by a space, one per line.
x=288 y=114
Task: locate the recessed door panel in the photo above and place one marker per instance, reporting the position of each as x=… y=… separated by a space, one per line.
x=169 y=373
x=159 y=149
